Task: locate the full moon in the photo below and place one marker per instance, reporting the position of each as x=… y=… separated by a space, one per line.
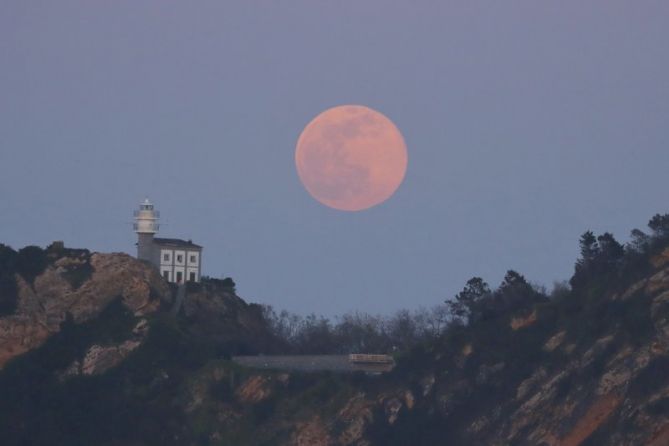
x=351 y=158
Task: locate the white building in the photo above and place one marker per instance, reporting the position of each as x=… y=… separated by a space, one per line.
x=177 y=260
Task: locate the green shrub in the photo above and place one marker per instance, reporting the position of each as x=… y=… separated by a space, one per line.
x=31 y=261
x=9 y=295
x=8 y=289
x=7 y=258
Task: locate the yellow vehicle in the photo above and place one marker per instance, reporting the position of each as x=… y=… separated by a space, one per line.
x=359 y=358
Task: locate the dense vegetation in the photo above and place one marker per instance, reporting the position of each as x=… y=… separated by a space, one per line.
x=604 y=264
x=503 y=357
x=148 y=398
x=131 y=404
x=28 y=262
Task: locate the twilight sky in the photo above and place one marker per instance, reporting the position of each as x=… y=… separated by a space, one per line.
x=526 y=122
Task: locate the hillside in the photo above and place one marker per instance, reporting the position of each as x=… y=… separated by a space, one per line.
x=91 y=354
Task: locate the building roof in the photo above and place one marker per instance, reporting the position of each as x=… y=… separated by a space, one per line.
x=176 y=242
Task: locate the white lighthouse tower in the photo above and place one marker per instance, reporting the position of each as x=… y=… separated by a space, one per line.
x=146 y=225
x=177 y=260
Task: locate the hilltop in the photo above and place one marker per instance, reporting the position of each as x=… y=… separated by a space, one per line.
x=91 y=353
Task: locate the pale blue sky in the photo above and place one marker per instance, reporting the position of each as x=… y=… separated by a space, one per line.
x=527 y=122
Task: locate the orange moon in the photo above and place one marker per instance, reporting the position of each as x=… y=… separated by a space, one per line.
x=351 y=158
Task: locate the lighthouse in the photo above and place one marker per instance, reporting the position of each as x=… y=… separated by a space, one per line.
x=177 y=260
x=146 y=225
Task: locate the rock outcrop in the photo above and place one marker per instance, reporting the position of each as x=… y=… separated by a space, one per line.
x=611 y=389
x=44 y=305
x=312 y=433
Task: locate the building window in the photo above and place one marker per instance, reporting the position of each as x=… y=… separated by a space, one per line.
x=180 y=258
x=192 y=277
x=166 y=275
x=166 y=257
x=179 y=276
x=192 y=259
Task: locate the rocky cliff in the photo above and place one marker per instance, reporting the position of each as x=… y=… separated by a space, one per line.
x=44 y=304
x=586 y=368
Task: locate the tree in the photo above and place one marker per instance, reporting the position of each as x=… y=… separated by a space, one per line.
x=315 y=336
x=589 y=251
x=610 y=251
x=401 y=330
x=514 y=292
x=361 y=333
x=560 y=290
x=284 y=325
x=639 y=241
x=589 y=248
x=599 y=255
x=31 y=261
x=8 y=289
x=431 y=322
x=7 y=258
x=512 y=280
x=659 y=224
x=467 y=302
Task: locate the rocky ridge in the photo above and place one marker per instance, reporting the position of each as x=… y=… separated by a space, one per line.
x=44 y=305
x=591 y=372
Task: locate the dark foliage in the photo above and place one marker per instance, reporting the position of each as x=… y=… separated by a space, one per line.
x=8 y=288
x=659 y=224
x=132 y=404
x=141 y=401
x=223 y=284
x=37 y=409
x=31 y=261
x=604 y=260
x=467 y=303
x=354 y=332
x=600 y=256
x=651 y=379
